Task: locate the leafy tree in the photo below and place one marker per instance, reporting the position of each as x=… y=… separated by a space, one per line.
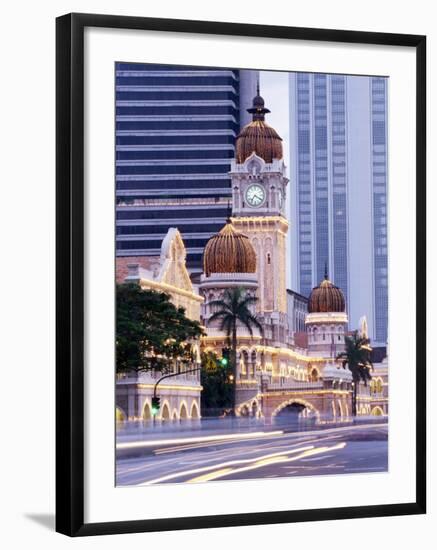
x=152 y=334
x=216 y=396
x=232 y=310
x=357 y=357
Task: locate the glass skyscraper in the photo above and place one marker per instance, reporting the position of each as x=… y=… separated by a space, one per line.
x=175 y=138
x=338 y=152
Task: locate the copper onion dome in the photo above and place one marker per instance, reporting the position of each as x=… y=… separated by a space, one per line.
x=257 y=136
x=229 y=252
x=326 y=298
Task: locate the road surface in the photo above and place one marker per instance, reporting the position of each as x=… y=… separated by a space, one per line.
x=262 y=454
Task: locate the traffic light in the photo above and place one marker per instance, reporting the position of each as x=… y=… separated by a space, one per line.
x=224 y=360
x=156 y=404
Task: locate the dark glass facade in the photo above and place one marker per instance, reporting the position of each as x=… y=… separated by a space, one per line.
x=175 y=137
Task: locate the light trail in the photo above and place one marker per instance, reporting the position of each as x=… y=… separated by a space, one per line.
x=212 y=455
x=222 y=465
x=218 y=454
x=316 y=458
x=157 y=442
x=206 y=444
x=265 y=462
x=201 y=445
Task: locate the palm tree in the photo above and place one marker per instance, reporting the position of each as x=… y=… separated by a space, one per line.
x=357 y=357
x=233 y=309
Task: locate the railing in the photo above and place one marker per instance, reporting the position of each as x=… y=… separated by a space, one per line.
x=230 y=276
x=294 y=385
x=216 y=333
x=127 y=202
x=150 y=377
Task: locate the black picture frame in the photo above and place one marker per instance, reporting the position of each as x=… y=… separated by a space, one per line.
x=70 y=273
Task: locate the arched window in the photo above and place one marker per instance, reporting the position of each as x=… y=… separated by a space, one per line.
x=165 y=412
x=119 y=415
x=314 y=375
x=194 y=410
x=147 y=413
x=183 y=415
x=254 y=167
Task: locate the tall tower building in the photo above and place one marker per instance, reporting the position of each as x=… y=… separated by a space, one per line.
x=175 y=137
x=258 y=208
x=338 y=147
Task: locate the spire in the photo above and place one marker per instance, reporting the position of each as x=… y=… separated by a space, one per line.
x=229 y=213
x=258 y=110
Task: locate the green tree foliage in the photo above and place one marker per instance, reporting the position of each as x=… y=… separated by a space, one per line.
x=232 y=310
x=216 y=396
x=152 y=334
x=357 y=358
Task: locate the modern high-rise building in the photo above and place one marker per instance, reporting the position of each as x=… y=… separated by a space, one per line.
x=338 y=152
x=175 y=138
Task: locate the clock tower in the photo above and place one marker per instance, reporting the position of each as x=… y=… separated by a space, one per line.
x=259 y=182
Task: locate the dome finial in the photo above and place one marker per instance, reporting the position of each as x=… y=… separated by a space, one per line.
x=229 y=213
x=326 y=271
x=257 y=136
x=258 y=110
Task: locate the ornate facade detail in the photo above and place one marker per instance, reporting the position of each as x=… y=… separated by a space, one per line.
x=273 y=371
x=180 y=394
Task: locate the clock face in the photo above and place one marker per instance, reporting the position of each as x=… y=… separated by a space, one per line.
x=255 y=195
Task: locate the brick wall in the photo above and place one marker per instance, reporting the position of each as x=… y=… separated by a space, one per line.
x=121 y=263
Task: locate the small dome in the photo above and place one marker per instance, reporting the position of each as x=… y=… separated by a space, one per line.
x=326 y=298
x=258 y=136
x=229 y=252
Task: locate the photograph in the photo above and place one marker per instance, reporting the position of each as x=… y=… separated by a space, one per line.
x=251 y=274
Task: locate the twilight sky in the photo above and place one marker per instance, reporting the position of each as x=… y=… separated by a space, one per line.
x=274 y=90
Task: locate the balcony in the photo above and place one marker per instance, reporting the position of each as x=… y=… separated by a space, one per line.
x=151 y=377
x=294 y=385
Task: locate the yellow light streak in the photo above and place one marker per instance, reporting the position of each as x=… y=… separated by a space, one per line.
x=224 y=465
x=281 y=459
x=211 y=475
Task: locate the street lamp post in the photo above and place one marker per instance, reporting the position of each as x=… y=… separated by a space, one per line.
x=156 y=398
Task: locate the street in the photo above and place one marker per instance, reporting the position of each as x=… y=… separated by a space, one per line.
x=253 y=455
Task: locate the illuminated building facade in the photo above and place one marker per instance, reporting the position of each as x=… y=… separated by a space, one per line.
x=277 y=370
x=180 y=395
x=273 y=373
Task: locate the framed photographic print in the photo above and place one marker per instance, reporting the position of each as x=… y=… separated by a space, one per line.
x=240 y=274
